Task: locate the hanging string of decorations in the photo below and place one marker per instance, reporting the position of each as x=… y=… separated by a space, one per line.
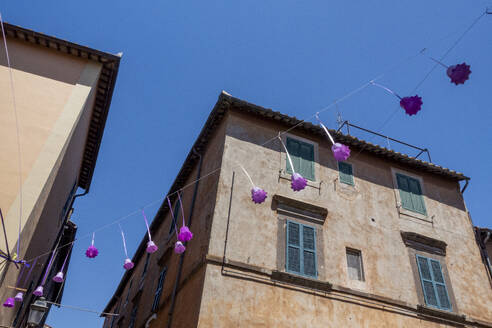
x=458 y=74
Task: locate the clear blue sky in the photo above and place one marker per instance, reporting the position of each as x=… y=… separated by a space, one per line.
x=293 y=56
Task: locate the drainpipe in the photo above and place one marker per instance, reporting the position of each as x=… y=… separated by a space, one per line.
x=181 y=259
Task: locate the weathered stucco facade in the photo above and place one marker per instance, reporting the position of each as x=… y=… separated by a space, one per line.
x=59 y=97
x=234 y=271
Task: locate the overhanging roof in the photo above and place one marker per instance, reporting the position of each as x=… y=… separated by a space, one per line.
x=105 y=86
x=227 y=102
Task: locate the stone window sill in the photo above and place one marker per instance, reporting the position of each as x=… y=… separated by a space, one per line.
x=288 y=176
x=404 y=212
x=300 y=280
x=441 y=313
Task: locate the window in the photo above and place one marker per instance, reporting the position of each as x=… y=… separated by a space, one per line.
x=410 y=194
x=433 y=285
x=345 y=171
x=302 y=154
x=144 y=272
x=354 y=265
x=158 y=291
x=301 y=249
x=133 y=316
x=176 y=213
x=68 y=202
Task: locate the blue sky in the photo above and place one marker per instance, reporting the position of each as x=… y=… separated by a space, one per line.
x=293 y=56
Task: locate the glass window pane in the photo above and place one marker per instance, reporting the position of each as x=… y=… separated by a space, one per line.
x=354 y=265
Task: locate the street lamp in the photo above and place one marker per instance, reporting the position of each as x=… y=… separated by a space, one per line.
x=36 y=314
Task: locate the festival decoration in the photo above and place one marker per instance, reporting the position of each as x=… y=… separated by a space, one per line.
x=298 y=183
x=411 y=105
x=340 y=151
x=60 y=276
x=92 y=251
x=184 y=233
x=151 y=247
x=128 y=264
x=458 y=73
x=19 y=297
x=179 y=248
x=258 y=195
x=38 y=291
x=9 y=302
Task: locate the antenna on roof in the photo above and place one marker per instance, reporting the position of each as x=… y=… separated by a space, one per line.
x=339 y=119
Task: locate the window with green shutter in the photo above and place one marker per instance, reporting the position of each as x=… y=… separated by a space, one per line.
x=301 y=249
x=302 y=155
x=433 y=285
x=411 y=194
x=345 y=172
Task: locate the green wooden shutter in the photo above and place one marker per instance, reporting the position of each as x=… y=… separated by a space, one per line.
x=309 y=251
x=411 y=194
x=433 y=285
x=302 y=155
x=301 y=249
x=293 y=247
x=345 y=171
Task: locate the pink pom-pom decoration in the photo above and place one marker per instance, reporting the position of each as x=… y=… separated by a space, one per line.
x=179 y=247
x=91 y=252
x=19 y=297
x=340 y=151
x=128 y=264
x=151 y=247
x=258 y=195
x=298 y=182
x=58 y=277
x=458 y=73
x=38 y=291
x=411 y=105
x=185 y=234
x=9 y=302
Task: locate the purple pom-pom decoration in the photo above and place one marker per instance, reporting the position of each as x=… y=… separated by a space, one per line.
x=9 y=302
x=298 y=182
x=185 y=234
x=58 y=277
x=179 y=247
x=258 y=195
x=19 y=297
x=340 y=151
x=128 y=264
x=91 y=252
x=151 y=247
x=458 y=73
x=38 y=291
x=411 y=105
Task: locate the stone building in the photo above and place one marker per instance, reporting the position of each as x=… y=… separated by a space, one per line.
x=381 y=240
x=63 y=93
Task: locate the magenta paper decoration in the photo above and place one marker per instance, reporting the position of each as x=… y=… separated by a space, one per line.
x=411 y=105
x=179 y=248
x=184 y=233
x=19 y=297
x=258 y=195
x=9 y=302
x=58 y=277
x=458 y=73
x=128 y=264
x=39 y=291
x=151 y=247
x=298 y=183
x=340 y=152
x=92 y=251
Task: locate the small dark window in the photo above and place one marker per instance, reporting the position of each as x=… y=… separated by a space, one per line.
x=133 y=316
x=345 y=172
x=128 y=293
x=158 y=291
x=175 y=218
x=355 y=269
